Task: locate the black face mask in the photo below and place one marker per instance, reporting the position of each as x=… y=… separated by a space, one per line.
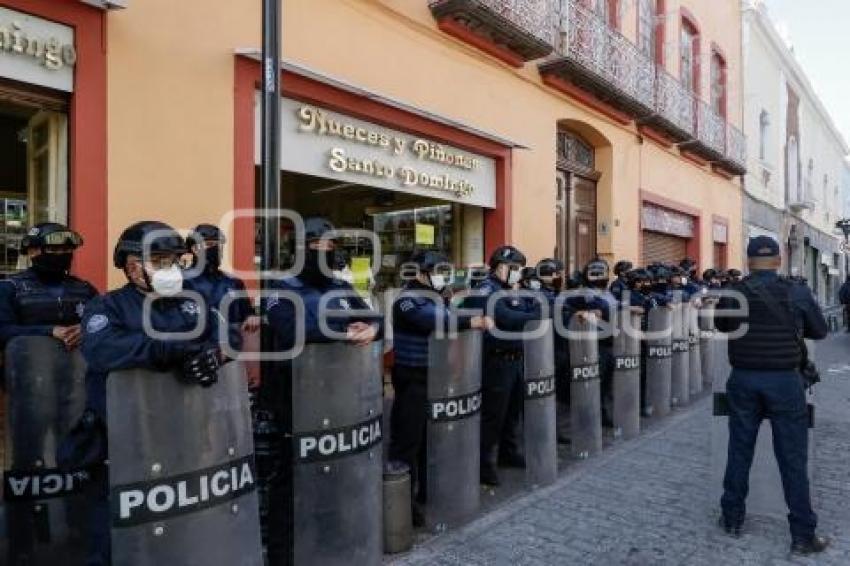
x=314 y=260
x=598 y=284
x=558 y=283
x=52 y=266
x=213 y=256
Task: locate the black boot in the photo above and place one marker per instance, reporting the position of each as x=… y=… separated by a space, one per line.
x=812 y=546
x=489 y=476
x=511 y=460
x=730 y=528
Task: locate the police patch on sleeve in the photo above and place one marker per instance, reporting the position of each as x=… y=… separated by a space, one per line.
x=96 y=323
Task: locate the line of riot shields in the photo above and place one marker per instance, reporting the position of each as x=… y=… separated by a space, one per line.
x=189 y=478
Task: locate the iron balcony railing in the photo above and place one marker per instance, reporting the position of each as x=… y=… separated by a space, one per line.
x=711 y=131
x=600 y=59
x=675 y=108
x=522 y=26
x=736 y=149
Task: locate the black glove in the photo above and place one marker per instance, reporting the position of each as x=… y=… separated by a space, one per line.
x=202 y=367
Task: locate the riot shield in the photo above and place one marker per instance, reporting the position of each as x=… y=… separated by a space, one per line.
x=541 y=450
x=766 y=496
x=627 y=375
x=454 y=429
x=680 y=384
x=181 y=473
x=707 y=344
x=694 y=351
x=658 y=361
x=585 y=397
x=338 y=469
x=44 y=507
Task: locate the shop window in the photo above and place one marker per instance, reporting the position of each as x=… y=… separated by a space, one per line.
x=718 y=84
x=689 y=62
x=33 y=175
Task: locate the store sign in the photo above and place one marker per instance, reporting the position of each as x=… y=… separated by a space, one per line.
x=667 y=221
x=36 y=51
x=319 y=142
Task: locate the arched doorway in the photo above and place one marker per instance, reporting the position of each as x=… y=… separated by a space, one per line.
x=575 y=203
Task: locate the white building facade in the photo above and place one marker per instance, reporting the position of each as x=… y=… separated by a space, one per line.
x=797 y=159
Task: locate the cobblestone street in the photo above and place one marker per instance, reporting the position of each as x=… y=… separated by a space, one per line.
x=651 y=500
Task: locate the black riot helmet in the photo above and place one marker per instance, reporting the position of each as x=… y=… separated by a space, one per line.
x=622 y=267
x=596 y=273
x=549 y=267
x=50 y=234
x=689 y=266
x=735 y=275
x=206 y=232
x=660 y=273
x=637 y=278
x=428 y=260
x=148 y=236
x=507 y=254
x=316 y=228
x=709 y=274
x=575 y=279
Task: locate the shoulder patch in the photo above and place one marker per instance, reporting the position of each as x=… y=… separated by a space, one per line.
x=272 y=301
x=406 y=305
x=96 y=323
x=191 y=308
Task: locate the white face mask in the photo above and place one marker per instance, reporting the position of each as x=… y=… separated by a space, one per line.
x=438 y=281
x=513 y=277
x=534 y=285
x=167 y=282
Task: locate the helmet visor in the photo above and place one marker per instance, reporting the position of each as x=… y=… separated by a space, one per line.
x=63 y=238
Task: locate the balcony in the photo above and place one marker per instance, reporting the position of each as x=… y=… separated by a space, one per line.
x=710 y=141
x=802 y=199
x=674 y=109
x=514 y=31
x=736 y=151
x=600 y=61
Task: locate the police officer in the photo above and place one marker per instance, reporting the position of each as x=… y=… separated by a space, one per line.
x=115 y=337
x=418 y=312
x=735 y=275
x=502 y=366
x=207 y=242
x=620 y=284
x=550 y=271
x=347 y=314
x=765 y=383
x=596 y=275
x=711 y=278
x=45 y=300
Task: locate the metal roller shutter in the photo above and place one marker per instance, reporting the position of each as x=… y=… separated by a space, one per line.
x=664 y=248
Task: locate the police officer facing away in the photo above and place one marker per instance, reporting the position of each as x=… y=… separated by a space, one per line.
x=115 y=335
x=45 y=300
x=418 y=312
x=765 y=384
x=502 y=362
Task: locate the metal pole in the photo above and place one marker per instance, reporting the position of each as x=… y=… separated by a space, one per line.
x=281 y=538
x=271 y=135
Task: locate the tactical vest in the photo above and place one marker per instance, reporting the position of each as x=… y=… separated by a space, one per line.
x=36 y=304
x=770 y=342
